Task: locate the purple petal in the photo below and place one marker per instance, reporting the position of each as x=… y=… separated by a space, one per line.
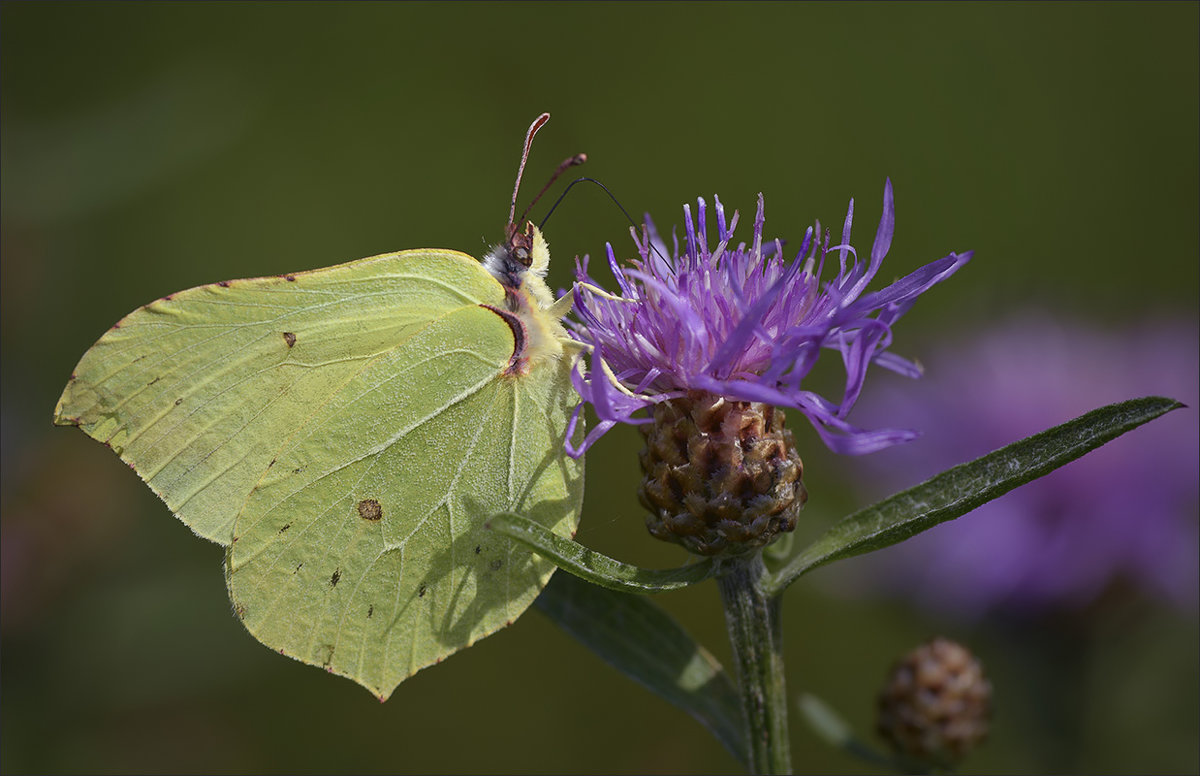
x=745 y=323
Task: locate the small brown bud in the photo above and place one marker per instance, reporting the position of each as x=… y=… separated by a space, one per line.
x=936 y=704
x=721 y=477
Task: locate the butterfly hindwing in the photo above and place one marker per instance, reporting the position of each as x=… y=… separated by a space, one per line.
x=374 y=561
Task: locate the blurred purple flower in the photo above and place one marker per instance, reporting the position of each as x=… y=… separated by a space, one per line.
x=1127 y=511
x=742 y=322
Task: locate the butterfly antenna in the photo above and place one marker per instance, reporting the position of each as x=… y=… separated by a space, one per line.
x=611 y=196
x=533 y=128
x=567 y=163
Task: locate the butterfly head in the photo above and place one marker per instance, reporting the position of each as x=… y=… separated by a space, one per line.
x=524 y=251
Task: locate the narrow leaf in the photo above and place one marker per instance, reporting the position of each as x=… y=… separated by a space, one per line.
x=593 y=566
x=639 y=639
x=836 y=732
x=957 y=491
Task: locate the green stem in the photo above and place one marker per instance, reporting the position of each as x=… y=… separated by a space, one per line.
x=757 y=639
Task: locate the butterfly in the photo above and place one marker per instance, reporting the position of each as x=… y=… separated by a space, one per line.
x=345 y=433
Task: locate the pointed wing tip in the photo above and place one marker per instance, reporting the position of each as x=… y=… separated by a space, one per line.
x=60 y=416
x=381 y=693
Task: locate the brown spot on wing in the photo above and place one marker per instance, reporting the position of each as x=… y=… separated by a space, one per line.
x=369 y=509
x=289 y=338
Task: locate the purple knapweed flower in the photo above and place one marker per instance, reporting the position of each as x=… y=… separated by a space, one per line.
x=1125 y=514
x=742 y=322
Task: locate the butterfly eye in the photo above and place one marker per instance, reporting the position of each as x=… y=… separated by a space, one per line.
x=520 y=245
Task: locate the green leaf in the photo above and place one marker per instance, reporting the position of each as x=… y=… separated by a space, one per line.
x=635 y=636
x=957 y=491
x=593 y=566
x=836 y=732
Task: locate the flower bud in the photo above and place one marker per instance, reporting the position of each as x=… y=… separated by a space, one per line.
x=936 y=704
x=722 y=477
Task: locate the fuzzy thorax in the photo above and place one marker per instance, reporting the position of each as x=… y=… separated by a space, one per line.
x=520 y=266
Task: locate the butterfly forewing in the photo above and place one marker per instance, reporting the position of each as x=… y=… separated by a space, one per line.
x=197 y=391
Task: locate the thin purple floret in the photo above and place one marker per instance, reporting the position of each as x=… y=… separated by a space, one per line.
x=744 y=323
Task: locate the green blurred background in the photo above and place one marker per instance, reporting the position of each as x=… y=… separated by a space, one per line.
x=152 y=147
